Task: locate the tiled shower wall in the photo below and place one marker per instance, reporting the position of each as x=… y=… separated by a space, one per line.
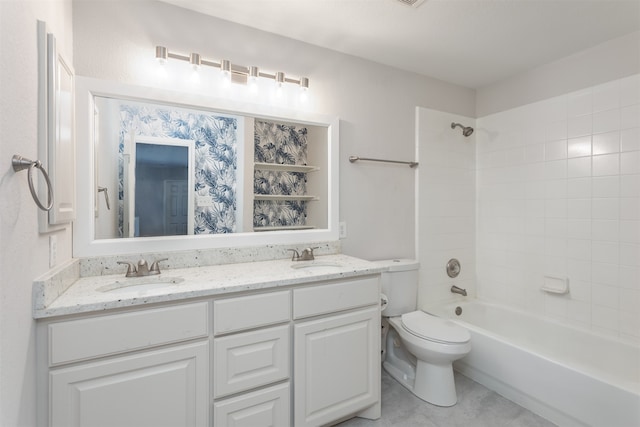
x=446 y=205
x=558 y=194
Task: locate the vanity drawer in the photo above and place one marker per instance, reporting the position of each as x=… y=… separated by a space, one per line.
x=267 y=407
x=252 y=311
x=250 y=359
x=83 y=339
x=332 y=297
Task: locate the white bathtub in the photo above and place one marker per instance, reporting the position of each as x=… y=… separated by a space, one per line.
x=565 y=374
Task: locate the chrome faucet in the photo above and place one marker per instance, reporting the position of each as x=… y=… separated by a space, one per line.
x=306 y=255
x=457 y=290
x=142 y=268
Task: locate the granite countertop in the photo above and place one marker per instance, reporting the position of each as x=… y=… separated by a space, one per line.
x=99 y=293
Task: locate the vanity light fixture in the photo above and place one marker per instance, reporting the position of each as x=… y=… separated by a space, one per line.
x=237 y=73
x=279 y=83
x=304 y=83
x=195 y=61
x=279 y=78
x=225 y=68
x=254 y=73
x=162 y=54
x=304 y=88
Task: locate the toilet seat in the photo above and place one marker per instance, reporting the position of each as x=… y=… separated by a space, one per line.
x=434 y=328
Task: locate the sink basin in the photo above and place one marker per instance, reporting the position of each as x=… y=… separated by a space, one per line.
x=315 y=265
x=140 y=284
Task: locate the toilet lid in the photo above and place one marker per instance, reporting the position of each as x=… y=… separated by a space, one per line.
x=434 y=328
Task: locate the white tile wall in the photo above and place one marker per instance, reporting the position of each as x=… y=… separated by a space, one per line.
x=558 y=193
x=446 y=203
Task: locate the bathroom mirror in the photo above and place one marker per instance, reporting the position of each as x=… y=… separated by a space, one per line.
x=161 y=170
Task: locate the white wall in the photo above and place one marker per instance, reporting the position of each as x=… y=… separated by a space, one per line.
x=23 y=252
x=446 y=212
x=559 y=195
x=375 y=103
x=614 y=59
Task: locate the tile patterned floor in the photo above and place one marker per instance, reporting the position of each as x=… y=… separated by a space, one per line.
x=477 y=407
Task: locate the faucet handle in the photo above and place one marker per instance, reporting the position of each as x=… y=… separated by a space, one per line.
x=155 y=266
x=307 y=254
x=296 y=255
x=131 y=268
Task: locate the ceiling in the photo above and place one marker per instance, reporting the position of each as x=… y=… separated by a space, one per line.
x=472 y=43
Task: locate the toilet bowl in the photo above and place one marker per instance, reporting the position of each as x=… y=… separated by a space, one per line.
x=431 y=367
x=419 y=348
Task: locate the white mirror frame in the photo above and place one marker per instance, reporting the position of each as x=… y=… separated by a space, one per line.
x=84 y=244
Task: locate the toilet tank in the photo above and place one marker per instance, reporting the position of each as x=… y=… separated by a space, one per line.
x=400 y=285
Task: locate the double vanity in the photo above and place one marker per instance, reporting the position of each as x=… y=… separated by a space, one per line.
x=277 y=342
x=226 y=330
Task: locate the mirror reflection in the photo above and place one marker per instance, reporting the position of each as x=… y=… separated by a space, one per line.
x=175 y=170
x=160 y=183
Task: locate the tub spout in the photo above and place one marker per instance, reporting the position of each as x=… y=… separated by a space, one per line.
x=457 y=290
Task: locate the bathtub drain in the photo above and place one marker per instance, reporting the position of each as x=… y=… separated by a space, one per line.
x=458 y=311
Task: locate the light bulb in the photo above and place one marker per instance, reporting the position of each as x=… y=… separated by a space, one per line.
x=195 y=76
x=304 y=95
x=161 y=72
x=279 y=79
x=225 y=68
x=253 y=79
x=304 y=89
x=194 y=60
x=162 y=54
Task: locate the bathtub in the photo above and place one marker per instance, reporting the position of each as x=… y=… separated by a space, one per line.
x=567 y=375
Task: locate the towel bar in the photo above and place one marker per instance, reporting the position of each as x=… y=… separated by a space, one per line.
x=20 y=163
x=354 y=159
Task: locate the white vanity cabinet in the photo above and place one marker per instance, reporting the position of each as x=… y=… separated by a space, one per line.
x=304 y=354
x=143 y=368
x=336 y=351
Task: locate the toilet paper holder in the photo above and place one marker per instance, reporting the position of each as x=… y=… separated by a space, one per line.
x=384 y=301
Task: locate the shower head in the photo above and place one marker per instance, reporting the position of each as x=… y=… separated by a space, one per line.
x=466 y=130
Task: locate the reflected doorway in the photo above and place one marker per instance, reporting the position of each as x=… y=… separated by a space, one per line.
x=160 y=187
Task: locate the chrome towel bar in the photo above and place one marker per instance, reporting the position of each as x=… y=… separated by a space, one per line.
x=354 y=159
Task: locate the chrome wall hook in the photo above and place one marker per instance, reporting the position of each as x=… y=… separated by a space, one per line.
x=20 y=163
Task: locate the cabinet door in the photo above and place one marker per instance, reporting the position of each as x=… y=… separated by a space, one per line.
x=167 y=387
x=337 y=366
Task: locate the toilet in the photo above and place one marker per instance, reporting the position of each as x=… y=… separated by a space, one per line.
x=418 y=348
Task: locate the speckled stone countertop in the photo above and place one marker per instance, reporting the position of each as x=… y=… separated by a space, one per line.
x=99 y=293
